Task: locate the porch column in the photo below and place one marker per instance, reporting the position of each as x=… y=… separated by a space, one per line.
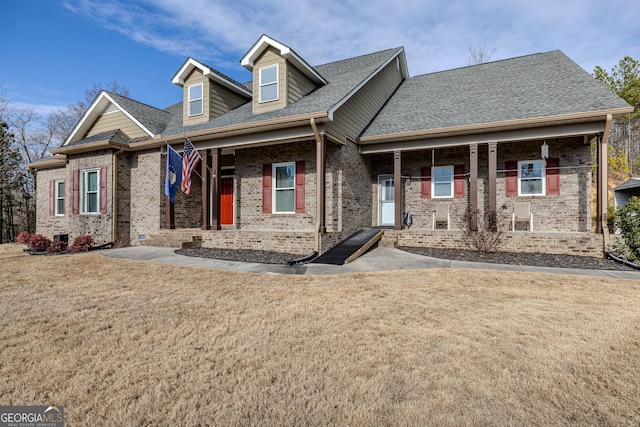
x=397 y=189
x=206 y=189
x=473 y=185
x=493 y=167
x=169 y=214
x=215 y=188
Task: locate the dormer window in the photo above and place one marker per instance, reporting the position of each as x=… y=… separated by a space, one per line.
x=195 y=99
x=269 y=83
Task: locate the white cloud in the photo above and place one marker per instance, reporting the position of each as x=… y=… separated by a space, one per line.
x=436 y=35
x=41 y=109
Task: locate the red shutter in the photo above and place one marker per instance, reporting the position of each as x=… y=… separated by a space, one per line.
x=425 y=182
x=103 y=189
x=553 y=176
x=511 y=178
x=52 y=197
x=266 y=188
x=458 y=181
x=75 y=191
x=300 y=186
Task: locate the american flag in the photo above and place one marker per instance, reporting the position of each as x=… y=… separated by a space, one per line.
x=190 y=159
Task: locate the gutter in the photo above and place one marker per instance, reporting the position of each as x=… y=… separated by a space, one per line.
x=90 y=146
x=604 y=187
x=244 y=128
x=58 y=160
x=320 y=188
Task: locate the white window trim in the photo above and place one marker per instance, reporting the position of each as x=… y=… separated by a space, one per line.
x=433 y=182
x=274 y=189
x=276 y=82
x=57 y=197
x=84 y=173
x=543 y=177
x=190 y=100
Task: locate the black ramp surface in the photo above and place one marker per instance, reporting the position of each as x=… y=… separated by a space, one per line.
x=343 y=250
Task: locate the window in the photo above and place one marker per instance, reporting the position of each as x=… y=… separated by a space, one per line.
x=284 y=187
x=89 y=191
x=531 y=176
x=59 y=197
x=269 y=83
x=442 y=181
x=195 y=99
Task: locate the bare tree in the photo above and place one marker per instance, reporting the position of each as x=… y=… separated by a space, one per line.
x=479 y=54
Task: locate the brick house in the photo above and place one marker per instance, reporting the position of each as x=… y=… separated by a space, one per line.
x=303 y=156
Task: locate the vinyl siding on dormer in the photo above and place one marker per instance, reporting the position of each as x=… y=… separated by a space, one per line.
x=196 y=77
x=270 y=57
x=113 y=121
x=298 y=85
x=223 y=100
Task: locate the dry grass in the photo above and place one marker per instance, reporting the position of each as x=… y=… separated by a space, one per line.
x=130 y=343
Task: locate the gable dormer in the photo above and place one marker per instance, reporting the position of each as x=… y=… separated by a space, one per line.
x=207 y=93
x=280 y=76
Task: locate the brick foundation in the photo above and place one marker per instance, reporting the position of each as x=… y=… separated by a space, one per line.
x=584 y=244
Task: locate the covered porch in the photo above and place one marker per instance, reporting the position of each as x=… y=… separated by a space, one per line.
x=480 y=173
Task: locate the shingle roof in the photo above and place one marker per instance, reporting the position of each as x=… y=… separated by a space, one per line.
x=110 y=135
x=539 y=85
x=150 y=117
x=631 y=183
x=342 y=76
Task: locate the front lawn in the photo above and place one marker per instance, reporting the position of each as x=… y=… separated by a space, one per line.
x=120 y=342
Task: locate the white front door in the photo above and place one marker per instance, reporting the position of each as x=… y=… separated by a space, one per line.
x=387 y=203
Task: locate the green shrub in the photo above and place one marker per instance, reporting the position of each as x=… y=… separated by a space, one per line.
x=627 y=219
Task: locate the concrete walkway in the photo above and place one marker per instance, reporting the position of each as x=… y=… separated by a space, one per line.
x=379 y=259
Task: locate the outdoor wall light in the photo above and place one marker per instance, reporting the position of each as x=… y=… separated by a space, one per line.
x=544 y=150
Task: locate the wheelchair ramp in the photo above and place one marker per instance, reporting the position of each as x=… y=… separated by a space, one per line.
x=351 y=247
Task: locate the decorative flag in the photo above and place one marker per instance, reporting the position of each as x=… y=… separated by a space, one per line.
x=174 y=173
x=190 y=159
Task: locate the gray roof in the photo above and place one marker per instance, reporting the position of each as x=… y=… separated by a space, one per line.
x=152 y=118
x=631 y=183
x=539 y=85
x=342 y=76
x=110 y=135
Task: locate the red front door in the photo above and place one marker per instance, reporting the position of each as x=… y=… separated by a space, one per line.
x=226 y=201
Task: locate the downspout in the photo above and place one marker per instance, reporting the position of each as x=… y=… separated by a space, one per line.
x=320 y=190
x=114 y=196
x=604 y=187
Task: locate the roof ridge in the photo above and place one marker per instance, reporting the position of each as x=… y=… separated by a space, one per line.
x=360 y=56
x=489 y=63
x=133 y=100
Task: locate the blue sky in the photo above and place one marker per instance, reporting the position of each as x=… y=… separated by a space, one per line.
x=52 y=51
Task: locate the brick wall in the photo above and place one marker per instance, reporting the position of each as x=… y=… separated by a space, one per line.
x=99 y=225
x=568 y=211
x=248 y=175
x=571 y=209
x=577 y=243
x=146 y=189
x=47 y=224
